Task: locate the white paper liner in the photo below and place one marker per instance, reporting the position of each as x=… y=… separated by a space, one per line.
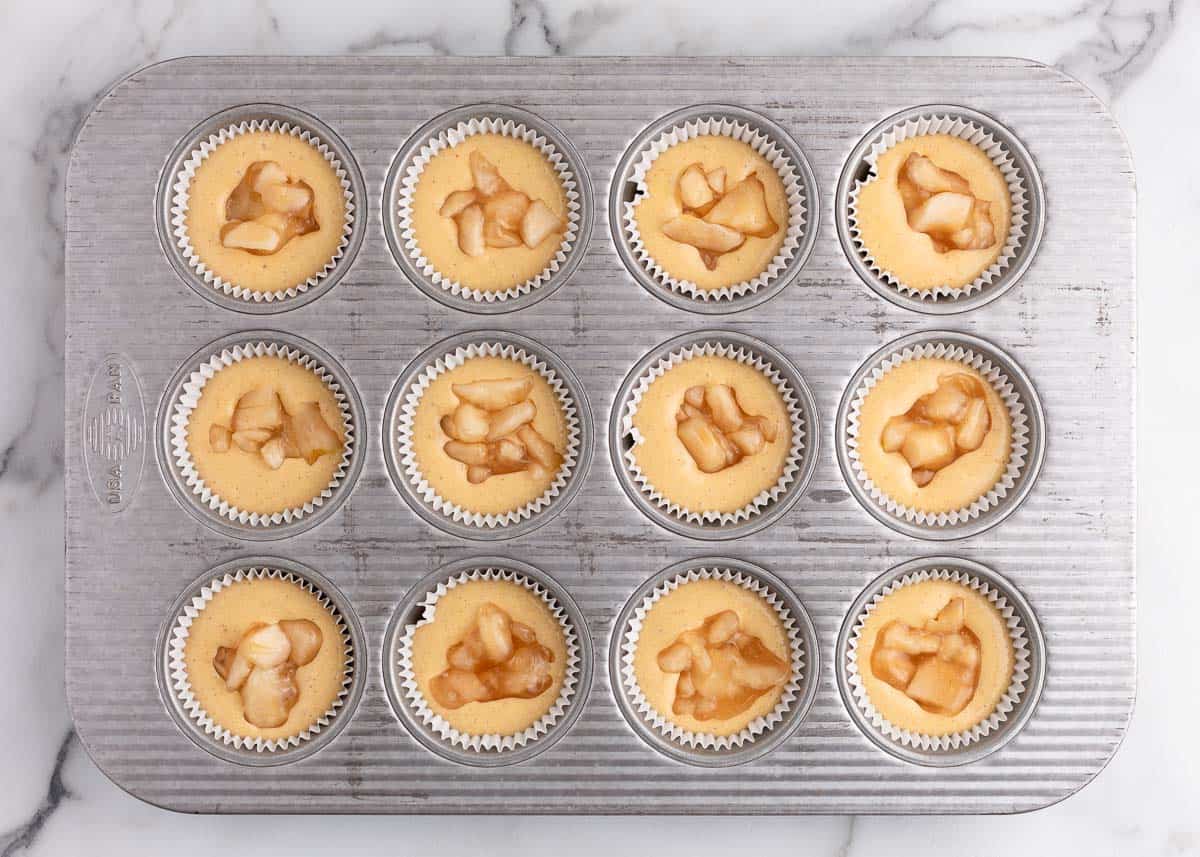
x=1019 y=441
x=491 y=742
x=1011 y=697
x=999 y=155
x=452 y=137
x=189 y=398
x=662 y=722
x=182 y=686
x=714 y=348
x=181 y=195
x=408 y=411
x=760 y=142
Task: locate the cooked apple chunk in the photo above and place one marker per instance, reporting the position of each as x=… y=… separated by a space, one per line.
x=940 y=427
x=940 y=204
x=492 y=214
x=262 y=667
x=261 y=425
x=715 y=430
x=266 y=210
x=744 y=208
x=717 y=218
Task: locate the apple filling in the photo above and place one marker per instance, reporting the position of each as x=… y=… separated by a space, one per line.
x=492 y=433
x=261 y=424
x=937 y=666
x=498 y=659
x=940 y=426
x=940 y=203
x=717 y=219
x=716 y=431
x=722 y=669
x=263 y=668
x=267 y=210
x=491 y=214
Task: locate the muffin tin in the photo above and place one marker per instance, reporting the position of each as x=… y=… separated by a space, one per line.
x=135 y=542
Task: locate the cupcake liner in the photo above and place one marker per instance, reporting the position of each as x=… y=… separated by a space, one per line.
x=189 y=398
x=181 y=685
x=407 y=411
x=1018 y=447
x=714 y=348
x=973 y=133
x=181 y=194
x=492 y=742
x=706 y=740
x=775 y=155
x=451 y=137
x=1010 y=699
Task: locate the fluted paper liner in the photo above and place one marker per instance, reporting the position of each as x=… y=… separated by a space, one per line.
x=181 y=194
x=999 y=155
x=491 y=742
x=182 y=687
x=714 y=348
x=761 y=142
x=181 y=412
x=452 y=137
x=1019 y=442
x=408 y=411
x=662 y=723
x=956 y=740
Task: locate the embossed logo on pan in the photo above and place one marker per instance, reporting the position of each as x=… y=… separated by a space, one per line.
x=114 y=432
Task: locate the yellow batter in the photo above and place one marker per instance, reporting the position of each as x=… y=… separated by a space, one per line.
x=455 y=616
x=223 y=622
x=499 y=493
x=953 y=487
x=526 y=169
x=666 y=462
x=914 y=605
x=687 y=608
x=661 y=204
x=242 y=478
x=908 y=254
x=302 y=256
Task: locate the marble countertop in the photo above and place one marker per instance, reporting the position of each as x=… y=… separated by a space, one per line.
x=1137 y=56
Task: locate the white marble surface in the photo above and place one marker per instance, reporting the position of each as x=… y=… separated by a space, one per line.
x=56 y=56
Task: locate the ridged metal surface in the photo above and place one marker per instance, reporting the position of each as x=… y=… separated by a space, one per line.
x=1069 y=323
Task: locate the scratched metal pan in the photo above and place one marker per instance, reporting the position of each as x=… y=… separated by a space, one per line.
x=134 y=319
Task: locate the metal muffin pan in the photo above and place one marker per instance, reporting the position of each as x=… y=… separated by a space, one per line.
x=130 y=549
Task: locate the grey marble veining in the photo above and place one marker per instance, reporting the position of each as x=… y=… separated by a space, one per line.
x=1139 y=56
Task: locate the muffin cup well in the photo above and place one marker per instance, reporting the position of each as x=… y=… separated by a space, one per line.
x=419 y=608
x=402 y=461
x=174 y=194
x=771 y=504
x=1024 y=186
x=1016 y=706
x=766 y=138
x=175 y=687
x=447 y=131
x=183 y=394
x=763 y=734
x=1027 y=444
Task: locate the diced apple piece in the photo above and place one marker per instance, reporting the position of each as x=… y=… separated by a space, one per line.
x=541 y=449
x=713 y=237
x=218 y=438
x=895 y=431
x=468 y=453
x=506 y=208
x=928 y=447
x=942 y=214
x=721 y=627
x=272 y=453
x=704 y=443
x=710 y=260
x=494 y=632
x=289 y=198
x=231 y=667
x=949 y=619
x=313 y=436
x=694 y=190
x=694 y=396
x=974 y=426
x=893 y=666
x=487 y=178
x=744 y=209
x=948 y=403
x=251 y=440
x=912 y=641
x=495 y=235
x=269 y=694
x=748 y=439
x=539 y=223
x=305 y=637
x=258 y=409
x=509 y=456
x=494 y=394
x=252 y=235
x=268 y=173
x=455 y=688
x=470 y=230
x=940 y=686
x=767 y=426
x=469 y=423
x=980 y=233
x=675 y=658
x=457 y=201
x=477 y=473
x=265 y=646
x=510 y=419
x=716 y=180
x=724 y=407
x=923 y=477
x=931 y=178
